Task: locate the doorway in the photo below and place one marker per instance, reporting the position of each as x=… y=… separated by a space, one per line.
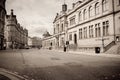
x=75 y=39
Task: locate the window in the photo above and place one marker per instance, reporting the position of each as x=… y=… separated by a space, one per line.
x=85 y=14
x=105 y=28
x=97 y=9
x=62 y=28
x=90 y=11
x=72 y=21
x=54 y=30
x=80 y=16
x=97 y=30
x=62 y=41
x=57 y=28
x=105 y=5
x=80 y=33
x=70 y=37
x=91 y=31
x=85 y=32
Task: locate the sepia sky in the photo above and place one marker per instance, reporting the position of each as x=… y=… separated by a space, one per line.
x=36 y=15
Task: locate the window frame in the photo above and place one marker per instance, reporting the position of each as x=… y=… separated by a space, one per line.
x=97 y=8
x=104 y=5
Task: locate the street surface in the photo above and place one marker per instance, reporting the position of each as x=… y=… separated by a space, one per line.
x=36 y=64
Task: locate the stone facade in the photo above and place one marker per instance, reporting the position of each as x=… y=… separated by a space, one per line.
x=89 y=24
x=15 y=35
x=36 y=42
x=2 y=22
x=29 y=41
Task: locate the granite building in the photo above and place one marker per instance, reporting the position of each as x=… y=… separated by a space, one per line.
x=89 y=24
x=2 y=22
x=16 y=36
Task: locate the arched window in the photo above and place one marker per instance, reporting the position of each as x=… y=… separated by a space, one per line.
x=80 y=16
x=97 y=9
x=105 y=5
x=90 y=11
x=85 y=14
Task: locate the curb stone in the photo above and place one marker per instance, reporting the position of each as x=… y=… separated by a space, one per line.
x=11 y=74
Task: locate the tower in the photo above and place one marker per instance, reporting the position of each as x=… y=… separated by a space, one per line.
x=64 y=7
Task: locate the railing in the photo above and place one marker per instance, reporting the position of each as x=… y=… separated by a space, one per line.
x=109 y=45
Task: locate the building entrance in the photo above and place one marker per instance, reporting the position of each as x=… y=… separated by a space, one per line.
x=75 y=39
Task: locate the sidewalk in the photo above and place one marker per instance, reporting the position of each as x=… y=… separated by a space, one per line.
x=10 y=75
x=90 y=53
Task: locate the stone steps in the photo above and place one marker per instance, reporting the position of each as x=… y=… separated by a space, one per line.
x=114 y=49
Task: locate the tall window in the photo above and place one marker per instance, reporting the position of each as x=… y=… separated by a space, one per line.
x=105 y=28
x=57 y=28
x=91 y=31
x=85 y=14
x=80 y=33
x=54 y=30
x=97 y=30
x=62 y=28
x=90 y=11
x=97 y=9
x=105 y=5
x=62 y=41
x=85 y=32
x=70 y=37
x=72 y=20
x=80 y=16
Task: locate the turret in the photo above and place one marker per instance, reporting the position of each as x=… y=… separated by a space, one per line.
x=12 y=12
x=64 y=7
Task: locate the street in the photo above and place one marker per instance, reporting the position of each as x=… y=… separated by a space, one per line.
x=39 y=64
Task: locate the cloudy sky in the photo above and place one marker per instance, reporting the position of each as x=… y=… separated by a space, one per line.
x=36 y=15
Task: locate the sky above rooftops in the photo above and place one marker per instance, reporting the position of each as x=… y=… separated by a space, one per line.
x=36 y=15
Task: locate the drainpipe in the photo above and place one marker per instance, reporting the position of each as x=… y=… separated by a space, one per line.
x=114 y=19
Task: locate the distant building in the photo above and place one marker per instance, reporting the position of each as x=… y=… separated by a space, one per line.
x=89 y=24
x=46 y=34
x=2 y=22
x=15 y=35
x=29 y=41
x=36 y=42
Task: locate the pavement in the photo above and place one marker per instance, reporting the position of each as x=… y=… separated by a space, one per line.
x=10 y=75
x=41 y=64
x=91 y=53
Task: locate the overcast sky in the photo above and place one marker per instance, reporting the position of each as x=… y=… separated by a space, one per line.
x=36 y=15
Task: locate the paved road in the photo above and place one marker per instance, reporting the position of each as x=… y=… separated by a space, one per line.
x=52 y=65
